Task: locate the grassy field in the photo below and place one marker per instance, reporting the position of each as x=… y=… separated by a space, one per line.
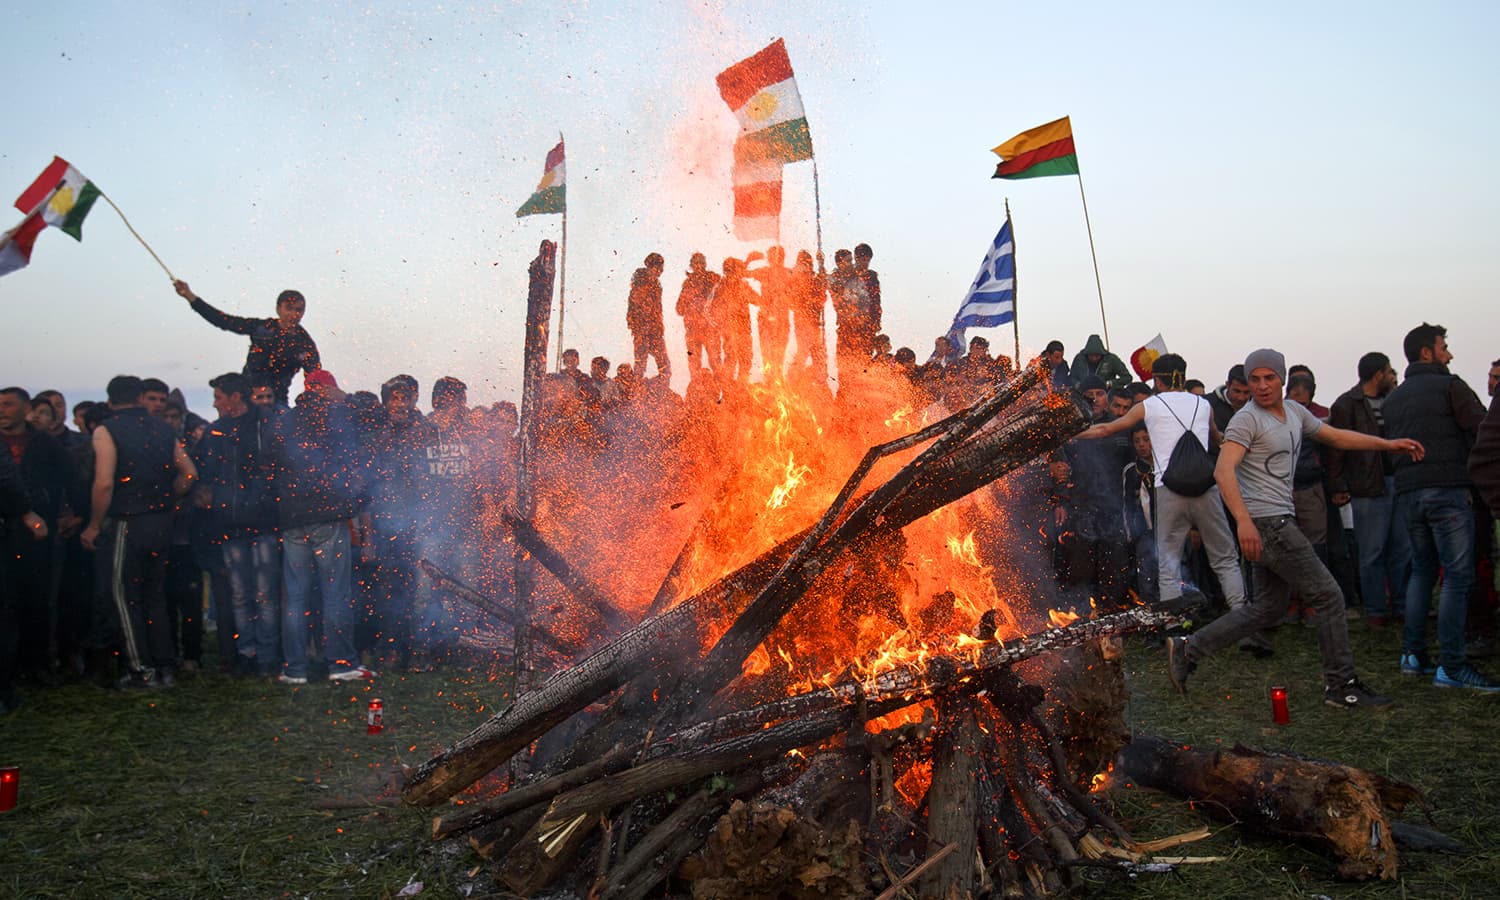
x=221 y=788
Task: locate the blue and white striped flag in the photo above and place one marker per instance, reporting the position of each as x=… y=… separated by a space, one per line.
x=991 y=299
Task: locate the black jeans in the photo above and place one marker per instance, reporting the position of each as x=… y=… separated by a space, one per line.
x=1287 y=560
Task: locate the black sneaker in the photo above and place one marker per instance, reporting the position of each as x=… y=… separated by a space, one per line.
x=1179 y=667
x=1354 y=695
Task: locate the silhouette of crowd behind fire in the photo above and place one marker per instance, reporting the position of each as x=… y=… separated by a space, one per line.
x=298 y=528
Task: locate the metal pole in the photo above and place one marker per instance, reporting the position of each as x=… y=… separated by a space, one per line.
x=1015 y=296
x=1097 y=286
x=562 y=262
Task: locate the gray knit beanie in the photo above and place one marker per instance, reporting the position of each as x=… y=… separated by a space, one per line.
x=1266 y=358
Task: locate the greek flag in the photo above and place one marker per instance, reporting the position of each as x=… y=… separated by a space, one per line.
x=991 y=299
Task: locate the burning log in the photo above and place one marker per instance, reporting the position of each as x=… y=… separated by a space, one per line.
x=1329 y=806
x=743 y=736
x=931 y=481
x=953 y=800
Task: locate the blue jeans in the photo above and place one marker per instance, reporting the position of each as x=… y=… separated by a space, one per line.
x=317 y=557
x=253 y=565
x=1384 y=551
x=1441 y=524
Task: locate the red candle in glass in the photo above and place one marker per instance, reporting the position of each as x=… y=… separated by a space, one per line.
x=375 y=720
x=10 y=786
x=1279 y=711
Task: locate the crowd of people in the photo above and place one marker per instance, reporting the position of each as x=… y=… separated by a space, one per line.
x=304 y=523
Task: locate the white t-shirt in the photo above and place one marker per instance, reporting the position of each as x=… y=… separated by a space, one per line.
x=1165 y=429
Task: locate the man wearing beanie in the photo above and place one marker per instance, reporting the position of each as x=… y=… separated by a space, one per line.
x=1256 y=464
x=1168 y=415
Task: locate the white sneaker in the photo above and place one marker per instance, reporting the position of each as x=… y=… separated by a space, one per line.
x=358 y=673
x=284 y=678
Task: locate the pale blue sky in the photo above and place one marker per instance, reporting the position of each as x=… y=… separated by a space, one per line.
x=1314 y=177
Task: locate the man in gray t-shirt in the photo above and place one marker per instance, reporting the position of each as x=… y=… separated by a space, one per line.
x=1271 y=448
x=1254 y=474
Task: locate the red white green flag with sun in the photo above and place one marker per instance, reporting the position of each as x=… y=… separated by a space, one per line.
x=762 y=93
x=551 y=192
x=60 y=196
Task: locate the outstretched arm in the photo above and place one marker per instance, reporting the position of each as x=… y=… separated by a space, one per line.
x=214 y=317
x=1344 y=439
x=1131 y=419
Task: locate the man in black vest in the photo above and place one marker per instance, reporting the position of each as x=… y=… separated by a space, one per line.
x=140 y=469
x=1433 y=497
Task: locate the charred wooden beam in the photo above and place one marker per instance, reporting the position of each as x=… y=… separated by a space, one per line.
x=553 y=561
x=1329 y=806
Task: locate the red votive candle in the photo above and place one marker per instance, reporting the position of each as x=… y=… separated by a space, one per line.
x=10 y=786
x=1279 y=711
x=375 y=718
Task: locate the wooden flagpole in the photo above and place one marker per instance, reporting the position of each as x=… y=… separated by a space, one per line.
x=138 y=236
x=1097 y=285
x=1015 y=296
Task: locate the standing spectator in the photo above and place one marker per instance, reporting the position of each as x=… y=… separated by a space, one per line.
x=47 y=471
x=1095 y=359
x=139 y=471
x=236 y=464
x=73 y=572
x=1255 y=470
x=1094 y=541
x=1366 y=479
x=1432 y=495
x=771 y=319
x=154 y=394
x=16 y=515
x=1318 y=410
x=1484 y=459
x=854 y=333
x=317 y=480
x=1229 y=398
x=279 y=347
x=729 y=311
x=869 y=281
x=692 y=304
x=1057 y=363
x=184 y=575
x=1484 y=600
x=398 y=446
x=1168 y=416
x=643 y=316
x=809 y=296
x=1308 y=497
x=1138 y=484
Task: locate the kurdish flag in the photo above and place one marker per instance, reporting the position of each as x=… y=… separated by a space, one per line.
x=1044 y=150
x=551 y=192
x=762 y=92
x=60 y=196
